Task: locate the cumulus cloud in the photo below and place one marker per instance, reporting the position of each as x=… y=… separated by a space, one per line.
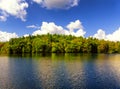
x=26 y=35
x=15 y=8
x=5 y=36
x=78 y=33
x=57 y=4
x=75 y=25
x=100 y=34
x=52 y=28
x=115 y=36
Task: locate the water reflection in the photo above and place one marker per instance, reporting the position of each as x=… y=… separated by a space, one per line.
x=106 y=71
x=75 y=71
x=16 y=74
x=60 y=71
x=4 y=75
x=114 y=61
x=44 y=72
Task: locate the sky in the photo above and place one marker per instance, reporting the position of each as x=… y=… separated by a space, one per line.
x=88 y=18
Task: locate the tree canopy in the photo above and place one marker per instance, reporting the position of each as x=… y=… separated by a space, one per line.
x=58 y=44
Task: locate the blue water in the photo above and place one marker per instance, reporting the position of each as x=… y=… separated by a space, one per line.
x=63 y=71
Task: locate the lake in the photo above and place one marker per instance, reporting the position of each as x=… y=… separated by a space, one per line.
x=60 y=71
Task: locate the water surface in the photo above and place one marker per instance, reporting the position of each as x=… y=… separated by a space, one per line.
x=63 y=71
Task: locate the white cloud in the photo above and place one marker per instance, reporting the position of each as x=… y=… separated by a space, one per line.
x=3 y=18
x=15 y=8
x=33 y=26
x=100 y=34
x=5 y=36
x=77 y=25
x=57 y=4
x=115 y=36
x=74 y=25
x=26 y=35
x=78 y=33
x=38 y=1
x=52 y=28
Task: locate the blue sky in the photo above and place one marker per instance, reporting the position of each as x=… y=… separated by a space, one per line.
x=97 y=17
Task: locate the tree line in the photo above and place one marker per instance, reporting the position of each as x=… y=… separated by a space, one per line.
x=58 y=44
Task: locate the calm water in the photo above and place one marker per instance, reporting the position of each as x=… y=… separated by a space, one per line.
x=68 y=71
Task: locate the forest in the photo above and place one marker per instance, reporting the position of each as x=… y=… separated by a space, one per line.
x=53 y=43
